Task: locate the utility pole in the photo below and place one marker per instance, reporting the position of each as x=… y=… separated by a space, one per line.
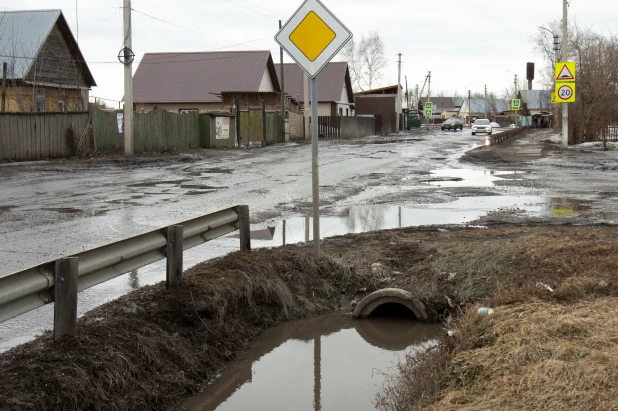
x=428 y=94
x=486 y=101
x=282 y=91
x=128 y=81
x=565 y=56
x=515 y=97
x=470 y=107
x=398 y=105
x=306 y=103
x=4 y=69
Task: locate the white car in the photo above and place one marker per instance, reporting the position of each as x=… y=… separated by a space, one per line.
x=481 y=125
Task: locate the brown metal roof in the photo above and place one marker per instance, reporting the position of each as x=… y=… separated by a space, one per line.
x=199 y=77
x=383 y=90
x=330 y=81
x=441 y=103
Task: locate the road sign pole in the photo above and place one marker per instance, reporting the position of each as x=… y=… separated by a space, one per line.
x=565 y=57
x=315 y=168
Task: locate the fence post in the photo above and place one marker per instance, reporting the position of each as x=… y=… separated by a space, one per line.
x=174 y=255
x=65 y=297
x=245 y=229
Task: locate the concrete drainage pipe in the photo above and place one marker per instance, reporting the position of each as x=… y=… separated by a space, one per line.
x=389 y=296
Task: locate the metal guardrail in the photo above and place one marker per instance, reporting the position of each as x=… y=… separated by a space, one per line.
x=43 y=284
x=505 y=135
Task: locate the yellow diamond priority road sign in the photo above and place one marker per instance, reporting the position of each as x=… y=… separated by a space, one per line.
x=313 y=36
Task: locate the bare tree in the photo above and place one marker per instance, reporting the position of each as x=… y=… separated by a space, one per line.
x=596 y=56
x=366 y=61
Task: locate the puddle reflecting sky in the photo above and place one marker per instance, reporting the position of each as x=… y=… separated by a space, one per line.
x=467 y=177
x=331 y=362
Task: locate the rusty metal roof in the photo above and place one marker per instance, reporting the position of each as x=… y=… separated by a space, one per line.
x=200 y=76
x=330 y=81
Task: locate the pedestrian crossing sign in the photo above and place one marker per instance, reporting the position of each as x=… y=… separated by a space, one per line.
x=429 y=105
x=428 y=112
x=515 y=104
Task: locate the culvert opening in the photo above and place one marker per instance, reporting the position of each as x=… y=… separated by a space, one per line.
x=392 y=310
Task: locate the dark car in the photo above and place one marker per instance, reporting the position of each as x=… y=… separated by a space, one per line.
x=452 y=124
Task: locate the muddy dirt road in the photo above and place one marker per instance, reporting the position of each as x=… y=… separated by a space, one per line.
x=51 y=209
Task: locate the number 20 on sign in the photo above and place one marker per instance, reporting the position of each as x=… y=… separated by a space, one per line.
x=565 y=93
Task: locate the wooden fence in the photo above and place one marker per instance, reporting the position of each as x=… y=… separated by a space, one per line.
x=33 y=136
x=156 y=130
x=252 y=128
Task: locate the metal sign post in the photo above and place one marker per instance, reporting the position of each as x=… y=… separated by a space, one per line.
x=312 y=37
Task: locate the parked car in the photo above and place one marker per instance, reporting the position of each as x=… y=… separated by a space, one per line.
x=481 y=125
x=495 y=125
x=452 y=124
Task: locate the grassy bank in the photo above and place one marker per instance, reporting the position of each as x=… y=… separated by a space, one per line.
x=541 y=350
x=155 y=347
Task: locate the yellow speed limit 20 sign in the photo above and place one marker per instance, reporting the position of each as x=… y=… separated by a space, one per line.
x=565 y=93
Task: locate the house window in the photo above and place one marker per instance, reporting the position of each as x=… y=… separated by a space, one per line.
x=40 y=101
x=62 y=106
x=340 y=111
x=347 y=111
x=188 y=110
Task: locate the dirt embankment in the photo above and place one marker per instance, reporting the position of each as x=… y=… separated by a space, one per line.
x=155 y=347
x=541 y=349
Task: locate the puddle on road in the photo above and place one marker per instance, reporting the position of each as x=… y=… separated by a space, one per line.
x=467 y=177
x=330 y=362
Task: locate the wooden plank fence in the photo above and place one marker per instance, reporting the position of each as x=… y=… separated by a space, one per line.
x=33 y=136
x=329 y=126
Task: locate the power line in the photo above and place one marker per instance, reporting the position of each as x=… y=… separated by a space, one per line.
x=253 y=10
x=163 y=58
x=190 y=31
x=265 y=8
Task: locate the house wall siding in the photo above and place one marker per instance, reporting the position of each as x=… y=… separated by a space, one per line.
x=23 y=100
x=55 y=64
x=267 y=83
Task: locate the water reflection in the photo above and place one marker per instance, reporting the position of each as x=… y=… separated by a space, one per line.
x=323 y=363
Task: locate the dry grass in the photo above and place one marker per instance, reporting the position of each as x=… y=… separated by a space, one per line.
x=543 y=356
x=542 y=350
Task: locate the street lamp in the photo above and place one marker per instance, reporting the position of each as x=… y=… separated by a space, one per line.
x=556 y=44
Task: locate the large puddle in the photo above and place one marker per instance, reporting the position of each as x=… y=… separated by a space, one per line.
x=331 y=362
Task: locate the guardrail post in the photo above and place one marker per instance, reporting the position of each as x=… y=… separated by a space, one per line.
x=174 y=255
x=65 y=298
x=245 y=229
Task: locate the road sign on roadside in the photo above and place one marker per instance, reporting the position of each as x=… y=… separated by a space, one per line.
x=429 y=105
x=565 y=92
x=516 y=104
x=565 y=72
x=428 y=112
x=313 y=36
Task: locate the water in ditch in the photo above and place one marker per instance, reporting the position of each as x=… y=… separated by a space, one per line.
x=330 y=362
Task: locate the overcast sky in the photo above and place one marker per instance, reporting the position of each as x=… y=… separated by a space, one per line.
x=465 y=44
